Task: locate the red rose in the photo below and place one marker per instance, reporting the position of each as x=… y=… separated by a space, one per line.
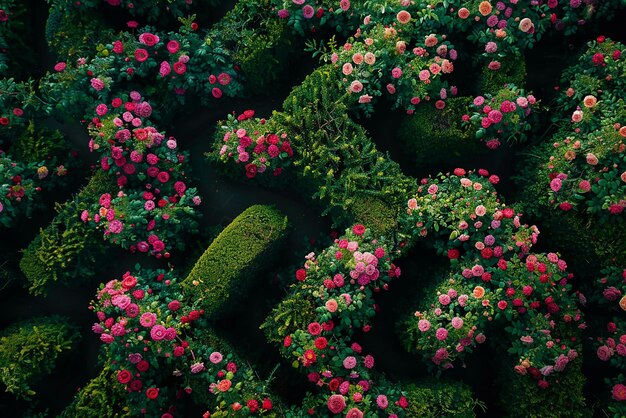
x=143 y=365
x=358 y=229
x=223 y=79
x=180 y=68
x=267 y=404
x=453 y=254
x=597 y=58
x=253 y=405
x=321 y=343
x=163 y=176
x=124 y=376
x=117 y=102
x=135 y=385
x=251 y=170
x=287 y=341
x=179 y=351
x=129 y=282
x=152 y=393
x=141 y=54
x=173 y=305
x=301 y=275
x=217 y=93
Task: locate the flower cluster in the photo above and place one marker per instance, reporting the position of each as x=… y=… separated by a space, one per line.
x=305 y=15
x=174 y=63
x=158 y=357
x=250 y=143
x=379 y=62
x=154 y=205
x=340 y=282
x=502 y=117
x=584 y=166
x=494 y=278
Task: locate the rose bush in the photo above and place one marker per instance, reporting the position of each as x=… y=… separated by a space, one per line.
x=154 y=206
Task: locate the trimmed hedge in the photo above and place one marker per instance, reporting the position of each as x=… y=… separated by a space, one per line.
x=520 y=396
x=29 y=350
x=432 y=137
x=67 y=248
x=512 y=71
x=291 y=314
x=440 y=398
x=241 y=251
x=102 y=397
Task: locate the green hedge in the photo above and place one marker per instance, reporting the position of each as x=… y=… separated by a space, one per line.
x=519 y=396
x=29 y=350
x=102 y=397
x=432 y=137
x=440 y=398
x=338 y=163
x=512 y=71
x=240 y=252
x=67 y=248
x=291 y=314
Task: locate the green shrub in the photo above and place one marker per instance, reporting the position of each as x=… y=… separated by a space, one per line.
x=520 y=396
x=512 y=71
x=249 y=386
x=339 y=164
x=376 y=215
x=73 y=34
x=30 y=349
x=432 y=136
x=437 y=398
x=37 y=144
x=240 y=252
x=291 y=314
x=67 y=248
x=102 y=397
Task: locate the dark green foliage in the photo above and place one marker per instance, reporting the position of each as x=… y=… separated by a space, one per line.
x=520 y=396
x=72 y=33
x=30 y=349
x=432 y=137
x=512 y=71
x=102 y=397
x=376 y=215
x=239 y=254
x=251 y=384
x=37 y=144
x=439 y=398
x=292 y=313
x=67 y=248
x=339 y=163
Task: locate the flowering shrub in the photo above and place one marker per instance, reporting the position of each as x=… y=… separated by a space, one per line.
x=505 y=29
x=154 y=206
x=30 y=349
x=585 y=169
x=171 y=63
x=146 y=324
x=498 y=280
x=380 y=57
x=502 y=117
x=247 y=143
x=340 y=283
x=152 y=10
x=305 y=15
